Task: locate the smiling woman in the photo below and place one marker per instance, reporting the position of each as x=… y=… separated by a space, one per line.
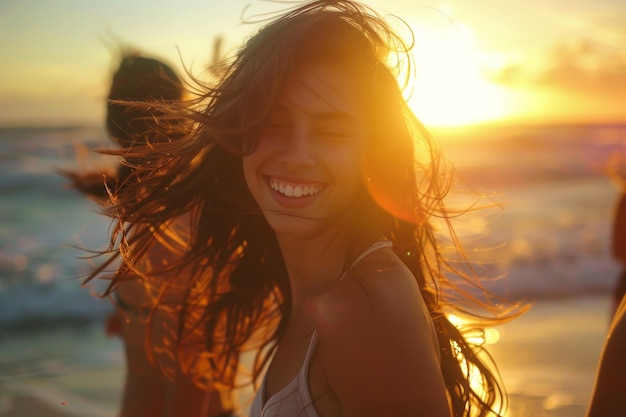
x=312 y=236
x=306 y=166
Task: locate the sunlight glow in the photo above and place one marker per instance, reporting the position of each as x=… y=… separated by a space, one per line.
x=480 y=338
x=488 y=335
x=450 y=89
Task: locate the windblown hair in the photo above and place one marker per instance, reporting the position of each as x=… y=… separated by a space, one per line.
x=139 y=79
x=239 y=297
x=131 y=117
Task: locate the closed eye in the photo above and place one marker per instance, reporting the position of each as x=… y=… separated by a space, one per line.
x=335 y=130
x=335 y=125
x=277 y=122
x=332 y=134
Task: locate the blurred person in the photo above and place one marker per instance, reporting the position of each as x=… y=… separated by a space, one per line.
x=131 y=121
x=618 y=249
x=610 y=385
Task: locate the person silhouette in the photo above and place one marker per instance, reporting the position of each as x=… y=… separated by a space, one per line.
x=610 y=383
x=618 y=250
x=131 y=122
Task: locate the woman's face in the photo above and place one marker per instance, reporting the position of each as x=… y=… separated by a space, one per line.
x=306 y=170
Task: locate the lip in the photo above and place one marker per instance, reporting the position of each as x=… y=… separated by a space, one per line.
x=293 y=192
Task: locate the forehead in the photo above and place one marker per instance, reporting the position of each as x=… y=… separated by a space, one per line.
x=322 y=88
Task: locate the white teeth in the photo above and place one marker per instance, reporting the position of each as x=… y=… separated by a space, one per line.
x=295 y=191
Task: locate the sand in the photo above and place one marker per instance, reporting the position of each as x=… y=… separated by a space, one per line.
x=547 y=358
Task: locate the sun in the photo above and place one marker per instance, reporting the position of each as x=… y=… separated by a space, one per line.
x=449 y=88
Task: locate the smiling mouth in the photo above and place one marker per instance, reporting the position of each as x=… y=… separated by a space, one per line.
x=293 y=189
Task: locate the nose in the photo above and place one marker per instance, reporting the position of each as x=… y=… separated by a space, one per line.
x=299 y=147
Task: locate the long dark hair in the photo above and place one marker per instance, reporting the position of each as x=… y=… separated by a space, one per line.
x=238 y=297
x=138 y=82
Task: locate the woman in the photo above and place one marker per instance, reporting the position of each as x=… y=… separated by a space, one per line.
x=148 y=392
x=313 y=196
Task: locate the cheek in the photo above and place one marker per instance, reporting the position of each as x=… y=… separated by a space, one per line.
x=250 y=165
x=347 y=168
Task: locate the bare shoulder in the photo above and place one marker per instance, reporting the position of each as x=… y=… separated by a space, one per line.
x=381 y=290
x=376 y=343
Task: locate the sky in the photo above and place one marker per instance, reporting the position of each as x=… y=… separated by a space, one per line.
x=500 y=61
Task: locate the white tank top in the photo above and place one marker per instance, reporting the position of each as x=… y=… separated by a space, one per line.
x=294 y=400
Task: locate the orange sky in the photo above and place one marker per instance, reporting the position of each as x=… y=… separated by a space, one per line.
x=543 y=62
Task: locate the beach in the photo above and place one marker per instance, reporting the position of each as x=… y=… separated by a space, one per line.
x=547 y=359
x=548 y=233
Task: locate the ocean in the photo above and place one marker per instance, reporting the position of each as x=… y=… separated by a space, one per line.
x=549 y=234
x=545 y=228
x=42 y=223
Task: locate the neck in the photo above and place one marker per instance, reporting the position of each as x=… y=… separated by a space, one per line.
x=313 y=262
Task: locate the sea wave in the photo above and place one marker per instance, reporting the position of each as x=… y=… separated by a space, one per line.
x=551 y=238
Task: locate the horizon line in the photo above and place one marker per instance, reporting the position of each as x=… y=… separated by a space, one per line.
x=498 y=123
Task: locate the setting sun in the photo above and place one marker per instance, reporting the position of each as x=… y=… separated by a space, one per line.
x=450 y=88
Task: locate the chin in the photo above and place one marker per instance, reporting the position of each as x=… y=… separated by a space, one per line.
x=291 y=224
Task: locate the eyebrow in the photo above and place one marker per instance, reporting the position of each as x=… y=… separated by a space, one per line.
x=334 y=116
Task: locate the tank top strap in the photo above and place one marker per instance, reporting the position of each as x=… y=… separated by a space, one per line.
x=309 y=352
x=379 y=244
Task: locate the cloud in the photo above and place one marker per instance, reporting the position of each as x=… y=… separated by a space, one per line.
x=581 y=66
